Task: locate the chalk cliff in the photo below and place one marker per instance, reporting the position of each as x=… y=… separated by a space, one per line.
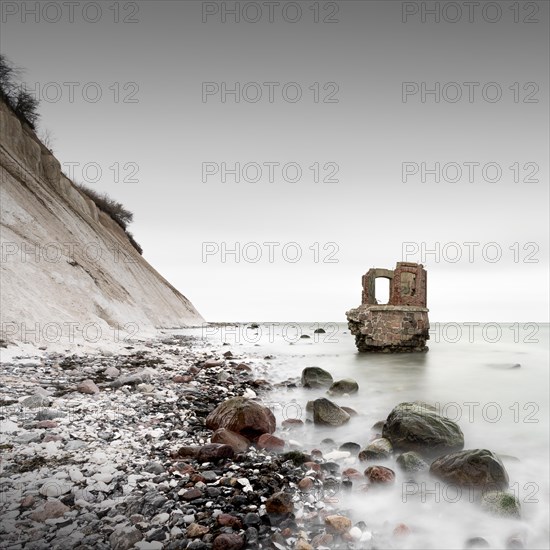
x=67 y=267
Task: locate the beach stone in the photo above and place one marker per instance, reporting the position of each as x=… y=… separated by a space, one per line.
x=476 y=543
x=379 y=449
x=349 y=410
x=36 y=401
x=210 y=363
x=352 y=473
x=123 y=538
x=111 y=372
x=419 y=427
x=243 y=416
x=192 y=494
x=412 y=462
x=327 y=412
x=302 y=544
x=270 y=443
x=316 y=377
x=47 y=424
x=279 y=503
x=401 y=530
x=131 y=379
x=228 y=541
x=236 y=441
x=347 y=385
x=188 y=451
x=196 y=530
x=471 y=468
x=322 y=539
x=292 y=423
x=306 y=484
x=53 y=508
x=227 y=520
x=338 y=524
x=215 y=451
x=500 y=503
x=182 y=379
x=380 y=475
x=88 y=387
x=351 y=447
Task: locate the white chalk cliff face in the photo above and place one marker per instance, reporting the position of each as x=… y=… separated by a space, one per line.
x=66 y=266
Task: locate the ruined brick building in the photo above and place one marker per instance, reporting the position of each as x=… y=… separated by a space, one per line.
x=400 y=325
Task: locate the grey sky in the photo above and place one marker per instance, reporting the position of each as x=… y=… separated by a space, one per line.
x=367 y=132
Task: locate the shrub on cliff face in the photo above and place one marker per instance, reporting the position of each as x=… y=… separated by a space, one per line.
x=115 y=209
x=23 y=104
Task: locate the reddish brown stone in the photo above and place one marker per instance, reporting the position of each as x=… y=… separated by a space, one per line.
x=279 y=503
x=306 y=484
x=243 y=416
x=352 y=473
x=401 y=530
x=182 y=379
x=227 y=520
x=380 y=475
x=215 y=451
x=270 y=443
x=228 y=541
x=45 y=424
x=192 y=494
x=238 y=442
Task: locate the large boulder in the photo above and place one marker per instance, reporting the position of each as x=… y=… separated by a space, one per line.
x=242 y=416
x=329 y=413
x=316 y=377
x=419 y=427
x=477 y=468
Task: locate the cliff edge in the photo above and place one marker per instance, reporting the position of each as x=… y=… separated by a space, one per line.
x=66 y=267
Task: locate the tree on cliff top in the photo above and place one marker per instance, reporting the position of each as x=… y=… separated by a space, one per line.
x=23 y=104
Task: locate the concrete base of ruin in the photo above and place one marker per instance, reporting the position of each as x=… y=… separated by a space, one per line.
x=389 y=329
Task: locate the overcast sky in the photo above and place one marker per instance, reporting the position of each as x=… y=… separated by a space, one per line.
x=166 y=123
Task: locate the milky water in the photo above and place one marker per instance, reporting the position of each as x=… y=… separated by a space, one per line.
x=493 y=380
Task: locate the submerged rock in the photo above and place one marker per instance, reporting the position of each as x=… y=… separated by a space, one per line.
x=327 y=412
x=316 y=377
x=346 y=385
x=243 y=416
x=380 y=475
x=412 y=462
x=378 y=449
x=419 y=427
x=499 y=503
x=478 y=468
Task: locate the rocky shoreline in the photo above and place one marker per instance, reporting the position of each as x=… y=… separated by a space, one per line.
x=168 y=445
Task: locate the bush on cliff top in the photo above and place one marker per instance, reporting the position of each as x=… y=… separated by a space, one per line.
x=22 y=103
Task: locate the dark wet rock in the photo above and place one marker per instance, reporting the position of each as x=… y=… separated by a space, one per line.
x=297 y=457
x=189 y=451
x=380 y=475
x=227 y=520
x=500 y=503
x=305 y=336
x=243 y=416
x=412 y=462
x=478 y=468
x=379 y=449
x=228 y=541
x=192 y=494
x=214 y=452
x=316 y=377
x=154 y=467
x=350 y=447
x=279 y=503
x=419 y=427
x=292 y=423
x=238 y=442
x=476 y=543
x=252 y=520
x=328 y=413
x=341 y=387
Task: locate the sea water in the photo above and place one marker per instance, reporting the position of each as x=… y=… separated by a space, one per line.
x=492 y=379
